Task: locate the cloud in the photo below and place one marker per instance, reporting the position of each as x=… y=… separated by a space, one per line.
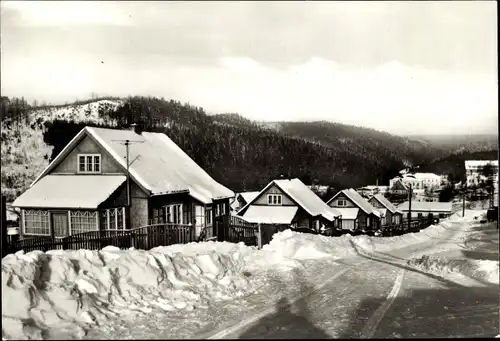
x=392 y=97
x=54 y=13
x=399 y=66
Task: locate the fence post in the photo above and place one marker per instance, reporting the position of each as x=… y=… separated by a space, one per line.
x=132 y=239
x=259 y=236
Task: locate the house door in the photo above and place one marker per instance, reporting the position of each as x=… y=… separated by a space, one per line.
x=60 y=224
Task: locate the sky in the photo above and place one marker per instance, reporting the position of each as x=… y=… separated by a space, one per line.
x=401 y=67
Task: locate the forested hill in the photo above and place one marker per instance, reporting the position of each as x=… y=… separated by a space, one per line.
x=454 y=164
x=456 y=144
x=237 y=152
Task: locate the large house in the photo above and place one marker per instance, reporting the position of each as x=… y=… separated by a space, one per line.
x=85 y=187
x=389 y=214
x=241 y=199
x=472 y=171
x=418 y=180
x=422 y=209
x=357 y=212
x=290 y=202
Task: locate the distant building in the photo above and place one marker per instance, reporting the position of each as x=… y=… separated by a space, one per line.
x=370 y=190
x=398 y=187
x=418 y=180
x=472 y=170
x=421 y=209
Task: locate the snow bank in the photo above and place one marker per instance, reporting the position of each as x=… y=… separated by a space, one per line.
x=486 y=270
x=302 y=246
x=59 y=294
x=46 y=294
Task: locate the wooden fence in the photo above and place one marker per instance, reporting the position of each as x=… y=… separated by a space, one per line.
x=235 y=229
x=144 y=238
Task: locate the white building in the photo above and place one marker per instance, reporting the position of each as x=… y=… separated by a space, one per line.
x=472 y=168
x=418 y=180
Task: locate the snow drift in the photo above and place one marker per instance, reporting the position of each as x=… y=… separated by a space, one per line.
x=487 y=270
x=44 y=294
x=62 y=293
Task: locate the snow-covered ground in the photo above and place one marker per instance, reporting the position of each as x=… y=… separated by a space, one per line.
x=101 y=294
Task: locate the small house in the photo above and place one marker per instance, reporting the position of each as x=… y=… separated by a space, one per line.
x=389 y=214
x=422 y=209
x=86 y=187
x=290 y=202
x=357 y=213
x=398 y=187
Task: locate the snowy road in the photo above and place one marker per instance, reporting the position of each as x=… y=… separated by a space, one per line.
x=438 y=283
x=378 y=295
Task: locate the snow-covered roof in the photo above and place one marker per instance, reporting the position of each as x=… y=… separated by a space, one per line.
x=480 y=163
x=358 y=200
x=386 y=203
x=248 y=196
x=303 y=196
x=157 y=164
x=426 y=206
x=349 y=213
x=424 y=176
x=306 y=198
x=270 y=214
x=372 y=187
x=70 y=191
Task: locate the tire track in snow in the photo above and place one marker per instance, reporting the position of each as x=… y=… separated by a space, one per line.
x=372 y=324
x=238 y=326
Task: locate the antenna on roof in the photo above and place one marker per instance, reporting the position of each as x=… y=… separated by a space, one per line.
x=127 y=143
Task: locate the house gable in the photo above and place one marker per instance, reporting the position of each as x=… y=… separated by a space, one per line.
x=69 y=164
x=398 y=186
x=273 y=189
x=335 y=202
x=375 y=203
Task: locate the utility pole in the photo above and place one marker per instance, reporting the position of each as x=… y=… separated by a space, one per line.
x=409 y=207
x=464 y=190
x=127 y=143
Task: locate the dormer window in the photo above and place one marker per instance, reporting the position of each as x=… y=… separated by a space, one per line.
x=274 y=199
x=89 y=163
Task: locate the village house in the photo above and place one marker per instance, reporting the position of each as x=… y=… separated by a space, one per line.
x=85 y=188
x=421 y=209
x=418 y=181
x=389 y=214
x=398 y=187
x=290 y=202
x=370 y=190
x=357 y=213
x=241 y=199
x=472 y=171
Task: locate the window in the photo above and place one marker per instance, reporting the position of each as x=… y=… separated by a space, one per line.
x=173 y=214
x=83 y=221
x=112 y=219
x=208 y=216
x=89 y=163
x=274 y=199
x=36 y=222
x=341 y=202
